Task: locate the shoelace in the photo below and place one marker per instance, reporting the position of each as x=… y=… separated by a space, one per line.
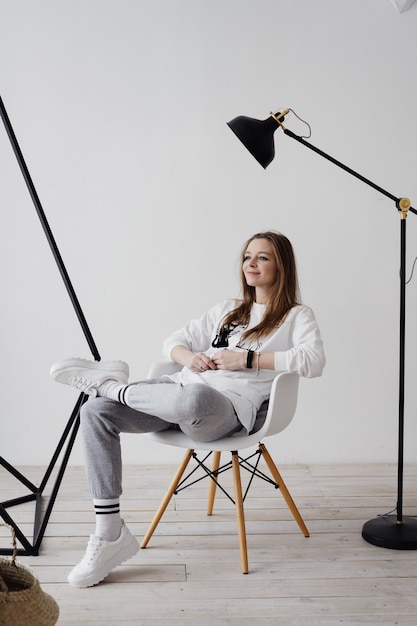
x=93 y=547
x=81 y=383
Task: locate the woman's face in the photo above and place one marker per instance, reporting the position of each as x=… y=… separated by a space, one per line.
x=259 y=266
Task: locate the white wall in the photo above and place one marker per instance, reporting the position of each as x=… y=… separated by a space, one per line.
x=120 y=108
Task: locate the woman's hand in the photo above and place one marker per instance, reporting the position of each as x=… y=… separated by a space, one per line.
x=230 y=359
x=195 y=361
x=200 y=362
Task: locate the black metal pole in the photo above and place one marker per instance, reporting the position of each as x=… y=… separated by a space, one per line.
x=70 y=432
x=401 y=394
x=48 y=231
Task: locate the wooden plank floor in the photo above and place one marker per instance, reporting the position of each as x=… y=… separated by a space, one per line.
x=190 y=572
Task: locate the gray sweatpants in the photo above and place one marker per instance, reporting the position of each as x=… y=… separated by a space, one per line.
x=201 y=412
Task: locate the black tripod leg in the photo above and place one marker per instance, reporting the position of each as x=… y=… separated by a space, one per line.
x=42 y=518
x=73 y=423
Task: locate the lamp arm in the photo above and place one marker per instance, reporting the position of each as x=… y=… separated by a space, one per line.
x=347 y=169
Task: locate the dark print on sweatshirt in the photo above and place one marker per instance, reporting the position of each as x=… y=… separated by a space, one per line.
x=223 y=333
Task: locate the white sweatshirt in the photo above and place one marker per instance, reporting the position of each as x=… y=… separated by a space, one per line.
x=297 y=346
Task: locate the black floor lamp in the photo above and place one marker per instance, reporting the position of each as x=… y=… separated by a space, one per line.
x=387 y=531
x=66 y=442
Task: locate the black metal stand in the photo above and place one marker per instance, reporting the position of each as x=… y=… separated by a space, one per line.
x=36 y=493
x=388 y=531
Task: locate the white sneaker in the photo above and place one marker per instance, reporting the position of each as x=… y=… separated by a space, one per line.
x=101 y=557
x=87 y=375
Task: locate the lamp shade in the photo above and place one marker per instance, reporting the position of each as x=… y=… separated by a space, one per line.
x=257 y=136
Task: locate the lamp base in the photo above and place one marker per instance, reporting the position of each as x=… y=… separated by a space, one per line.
x=386 y=532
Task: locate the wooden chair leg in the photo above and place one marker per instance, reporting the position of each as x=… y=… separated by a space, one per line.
x=213 y=484
x=283 y=488
x=240 y=513
x=167 y=498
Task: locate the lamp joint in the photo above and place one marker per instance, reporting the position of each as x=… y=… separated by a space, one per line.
x=403 y=205
x=280 y=116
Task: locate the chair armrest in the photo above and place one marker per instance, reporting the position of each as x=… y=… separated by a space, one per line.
x=161 y=368
x=282 y=402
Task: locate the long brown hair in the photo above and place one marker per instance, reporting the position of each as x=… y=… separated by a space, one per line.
x=284 y=297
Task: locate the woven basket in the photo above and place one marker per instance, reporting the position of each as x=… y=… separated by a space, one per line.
x=22 y=601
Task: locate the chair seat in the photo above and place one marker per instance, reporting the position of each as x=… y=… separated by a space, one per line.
x=178 y=439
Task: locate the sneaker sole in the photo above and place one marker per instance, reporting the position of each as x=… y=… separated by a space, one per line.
x=76 y=364
x=125 y=554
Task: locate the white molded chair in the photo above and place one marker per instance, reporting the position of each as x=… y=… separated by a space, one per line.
x=281 y=409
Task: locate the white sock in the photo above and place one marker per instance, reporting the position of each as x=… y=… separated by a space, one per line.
x=113 y=390
x=108 y=520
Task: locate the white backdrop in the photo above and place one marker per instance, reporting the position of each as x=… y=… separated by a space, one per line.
x=120 y=109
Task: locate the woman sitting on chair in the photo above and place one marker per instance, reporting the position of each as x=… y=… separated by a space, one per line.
x=230 y=357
